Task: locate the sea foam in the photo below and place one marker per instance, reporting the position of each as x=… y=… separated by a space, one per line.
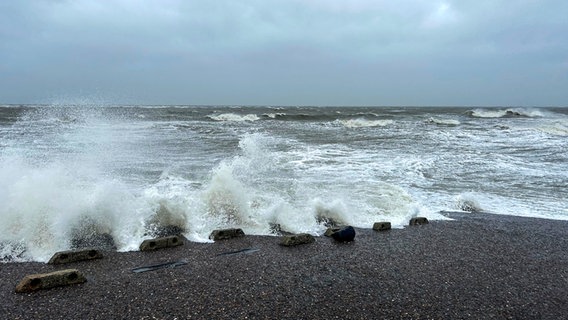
x=232 y=117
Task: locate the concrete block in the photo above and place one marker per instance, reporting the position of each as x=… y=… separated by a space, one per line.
x=381 y=226
x=40 y=281
x=296 y=239
x=418 y=221
x=224 y=234
x=160 y=243
x=75 y=255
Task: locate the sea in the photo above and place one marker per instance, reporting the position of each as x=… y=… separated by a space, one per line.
x=73 y=176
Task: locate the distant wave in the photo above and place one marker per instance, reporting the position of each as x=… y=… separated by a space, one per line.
x=506 y=113
x=557 y=128
x=362 y=123
x=234 y=117
x=274 y=115
x=447 y=122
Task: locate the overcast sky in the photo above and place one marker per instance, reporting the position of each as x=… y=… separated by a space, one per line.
x=286 y=52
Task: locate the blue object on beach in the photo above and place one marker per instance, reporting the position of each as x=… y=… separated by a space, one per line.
x=344 y=234
x=160 y=266
x=243 y=251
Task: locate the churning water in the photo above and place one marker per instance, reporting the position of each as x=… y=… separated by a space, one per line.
x=77 y=173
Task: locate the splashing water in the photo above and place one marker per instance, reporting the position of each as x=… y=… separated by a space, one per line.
x=89 y=176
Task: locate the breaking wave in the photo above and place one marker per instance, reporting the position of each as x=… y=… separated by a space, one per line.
x=556 y=128
x=58 y=207
x=362 y=123
x=232 y=117
x=446 y=122
x=504 y=113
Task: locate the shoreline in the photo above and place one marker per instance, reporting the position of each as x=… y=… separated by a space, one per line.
x=476 y=266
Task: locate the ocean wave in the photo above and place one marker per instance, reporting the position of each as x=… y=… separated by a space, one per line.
x=468 y=202
x=362 y=123
x=274 y=115
x=54 y=208
x=557 y=128
x=447 y=122
x=506 y=113
x=232 y=117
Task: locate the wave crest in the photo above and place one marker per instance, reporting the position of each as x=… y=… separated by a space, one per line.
x=363 y=123
x=446 y=122
x=232 y=117
x=506 y=113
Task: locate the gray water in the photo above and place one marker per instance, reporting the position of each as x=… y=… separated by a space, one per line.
x=122 y=170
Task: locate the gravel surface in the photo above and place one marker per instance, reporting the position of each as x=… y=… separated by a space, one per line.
x=479 y=266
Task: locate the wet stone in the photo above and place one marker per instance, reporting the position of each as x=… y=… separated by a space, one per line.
x=418 y=221
x=223 y=234
x=381 y=226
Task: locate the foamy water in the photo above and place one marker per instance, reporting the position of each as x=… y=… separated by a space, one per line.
x=70 y=174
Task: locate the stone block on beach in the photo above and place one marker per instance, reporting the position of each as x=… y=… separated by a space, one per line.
x=223 y=234
x=297 y=239
x=40 y=281
x=418 y=221
x=345 y=234
x=160 y=243
x=381 y=226
x=75 y=255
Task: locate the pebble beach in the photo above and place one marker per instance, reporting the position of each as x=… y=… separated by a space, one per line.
x=476 y=266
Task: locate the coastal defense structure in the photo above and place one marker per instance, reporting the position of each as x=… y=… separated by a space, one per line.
x=297 y=239
x=74 y=256
x=418 y=221
x=382 y=226
x=224 y=234
x=60 y=278
x=160 y=243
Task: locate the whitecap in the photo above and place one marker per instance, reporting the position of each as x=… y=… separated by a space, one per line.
x=232 y=117
x=509 y=112
x=447 y=122
x=362 y=123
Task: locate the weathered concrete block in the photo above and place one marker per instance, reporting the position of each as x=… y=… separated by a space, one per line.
x=40 y=281
x=331 y=231
x=74 y=256
x=381 y=226
x=160 y=243
x=344 y=234
x=226 y=234
x=296 y=239
x=418 y=221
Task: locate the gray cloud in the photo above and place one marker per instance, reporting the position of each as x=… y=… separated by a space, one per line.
x=316 y=52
